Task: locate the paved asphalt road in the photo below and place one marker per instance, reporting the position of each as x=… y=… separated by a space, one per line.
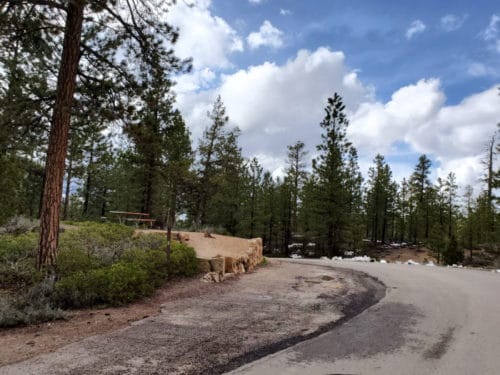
x=433 y=320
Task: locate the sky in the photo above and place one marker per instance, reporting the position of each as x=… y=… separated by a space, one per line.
x=416 y=77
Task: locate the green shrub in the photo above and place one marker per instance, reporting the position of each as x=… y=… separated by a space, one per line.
x=127 y=282
x=35 y=306
x=13 y=248
x=118 y=284
x=103 y=241
x=19 y=225
x=82 y=289
x=17 y=260
x=151 y=241
x=183 y=261
x=154 y=262
x=72 y=260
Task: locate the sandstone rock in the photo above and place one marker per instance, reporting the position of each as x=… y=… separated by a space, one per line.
x=230 y=264
x=217 y=264
x=212 y=277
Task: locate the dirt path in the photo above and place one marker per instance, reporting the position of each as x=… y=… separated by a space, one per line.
x=211 y=328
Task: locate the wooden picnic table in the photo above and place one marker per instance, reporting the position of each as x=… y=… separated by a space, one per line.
x=137 y=217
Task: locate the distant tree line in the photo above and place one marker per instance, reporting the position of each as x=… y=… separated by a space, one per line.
x=128 y=148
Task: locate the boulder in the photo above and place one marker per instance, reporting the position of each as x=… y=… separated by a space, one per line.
x=212 y=277
x=217 y=264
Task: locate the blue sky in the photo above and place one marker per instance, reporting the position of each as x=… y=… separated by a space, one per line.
x=416 y=76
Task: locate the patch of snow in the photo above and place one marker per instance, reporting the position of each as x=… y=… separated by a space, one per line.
x=337 y=259
x=430 y=264
x=296 y=256
x=363 y=258
x=383 y=261
x=497 y=271
x=411 y=262
x=324 y=258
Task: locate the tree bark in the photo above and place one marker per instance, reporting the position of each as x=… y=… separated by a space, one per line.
x=58 y=140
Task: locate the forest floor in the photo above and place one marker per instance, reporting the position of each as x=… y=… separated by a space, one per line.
x=191 y=327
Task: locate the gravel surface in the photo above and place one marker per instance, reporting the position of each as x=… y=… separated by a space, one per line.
x=212 y=328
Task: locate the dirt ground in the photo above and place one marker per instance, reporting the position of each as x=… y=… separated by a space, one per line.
x=190 y=327
x=420 y=255
x=209 y=247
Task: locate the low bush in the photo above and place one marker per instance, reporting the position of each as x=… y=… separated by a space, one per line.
x=103 y=241
x=136 y=275
x=97 y=264
x=17 y=261
x=19 y=225
x=72 y=260
x=183 y=261
x=154 y=262
x=35 y=306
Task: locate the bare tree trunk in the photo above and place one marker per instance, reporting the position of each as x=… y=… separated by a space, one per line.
x=58 y=140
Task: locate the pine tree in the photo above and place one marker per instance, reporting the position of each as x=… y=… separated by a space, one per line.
x=332 y=168
x=107 y=26
x=380 y=200
x=296 y=175
x=212 y=138
x=420 y=190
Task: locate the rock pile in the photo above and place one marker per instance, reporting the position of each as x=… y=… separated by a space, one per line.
x=220 y=267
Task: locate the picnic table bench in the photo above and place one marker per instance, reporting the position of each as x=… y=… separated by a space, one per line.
x=135 y=217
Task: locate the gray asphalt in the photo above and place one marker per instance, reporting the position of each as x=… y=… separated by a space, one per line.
x=433 y=320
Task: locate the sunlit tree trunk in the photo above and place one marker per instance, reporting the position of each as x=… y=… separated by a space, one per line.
x=58 y=140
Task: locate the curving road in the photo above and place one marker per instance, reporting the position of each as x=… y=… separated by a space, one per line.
x=433 y=320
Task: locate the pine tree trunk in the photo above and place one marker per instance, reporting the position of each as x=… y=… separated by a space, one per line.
x=58 y=140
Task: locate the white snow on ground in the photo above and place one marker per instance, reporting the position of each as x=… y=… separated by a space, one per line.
x=412 y=263
x=383 y=261
x=430 y=264
x=363 y=258
x=324 y=258
x=296 y=256
x=498 y=271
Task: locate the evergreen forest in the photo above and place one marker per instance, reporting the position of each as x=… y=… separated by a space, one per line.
x=89 y=125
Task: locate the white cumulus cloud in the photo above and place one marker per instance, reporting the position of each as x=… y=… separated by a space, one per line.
x=208 y=39
x=276 y=105
x=267 y=36
x=416 y=27
x=418 y=116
